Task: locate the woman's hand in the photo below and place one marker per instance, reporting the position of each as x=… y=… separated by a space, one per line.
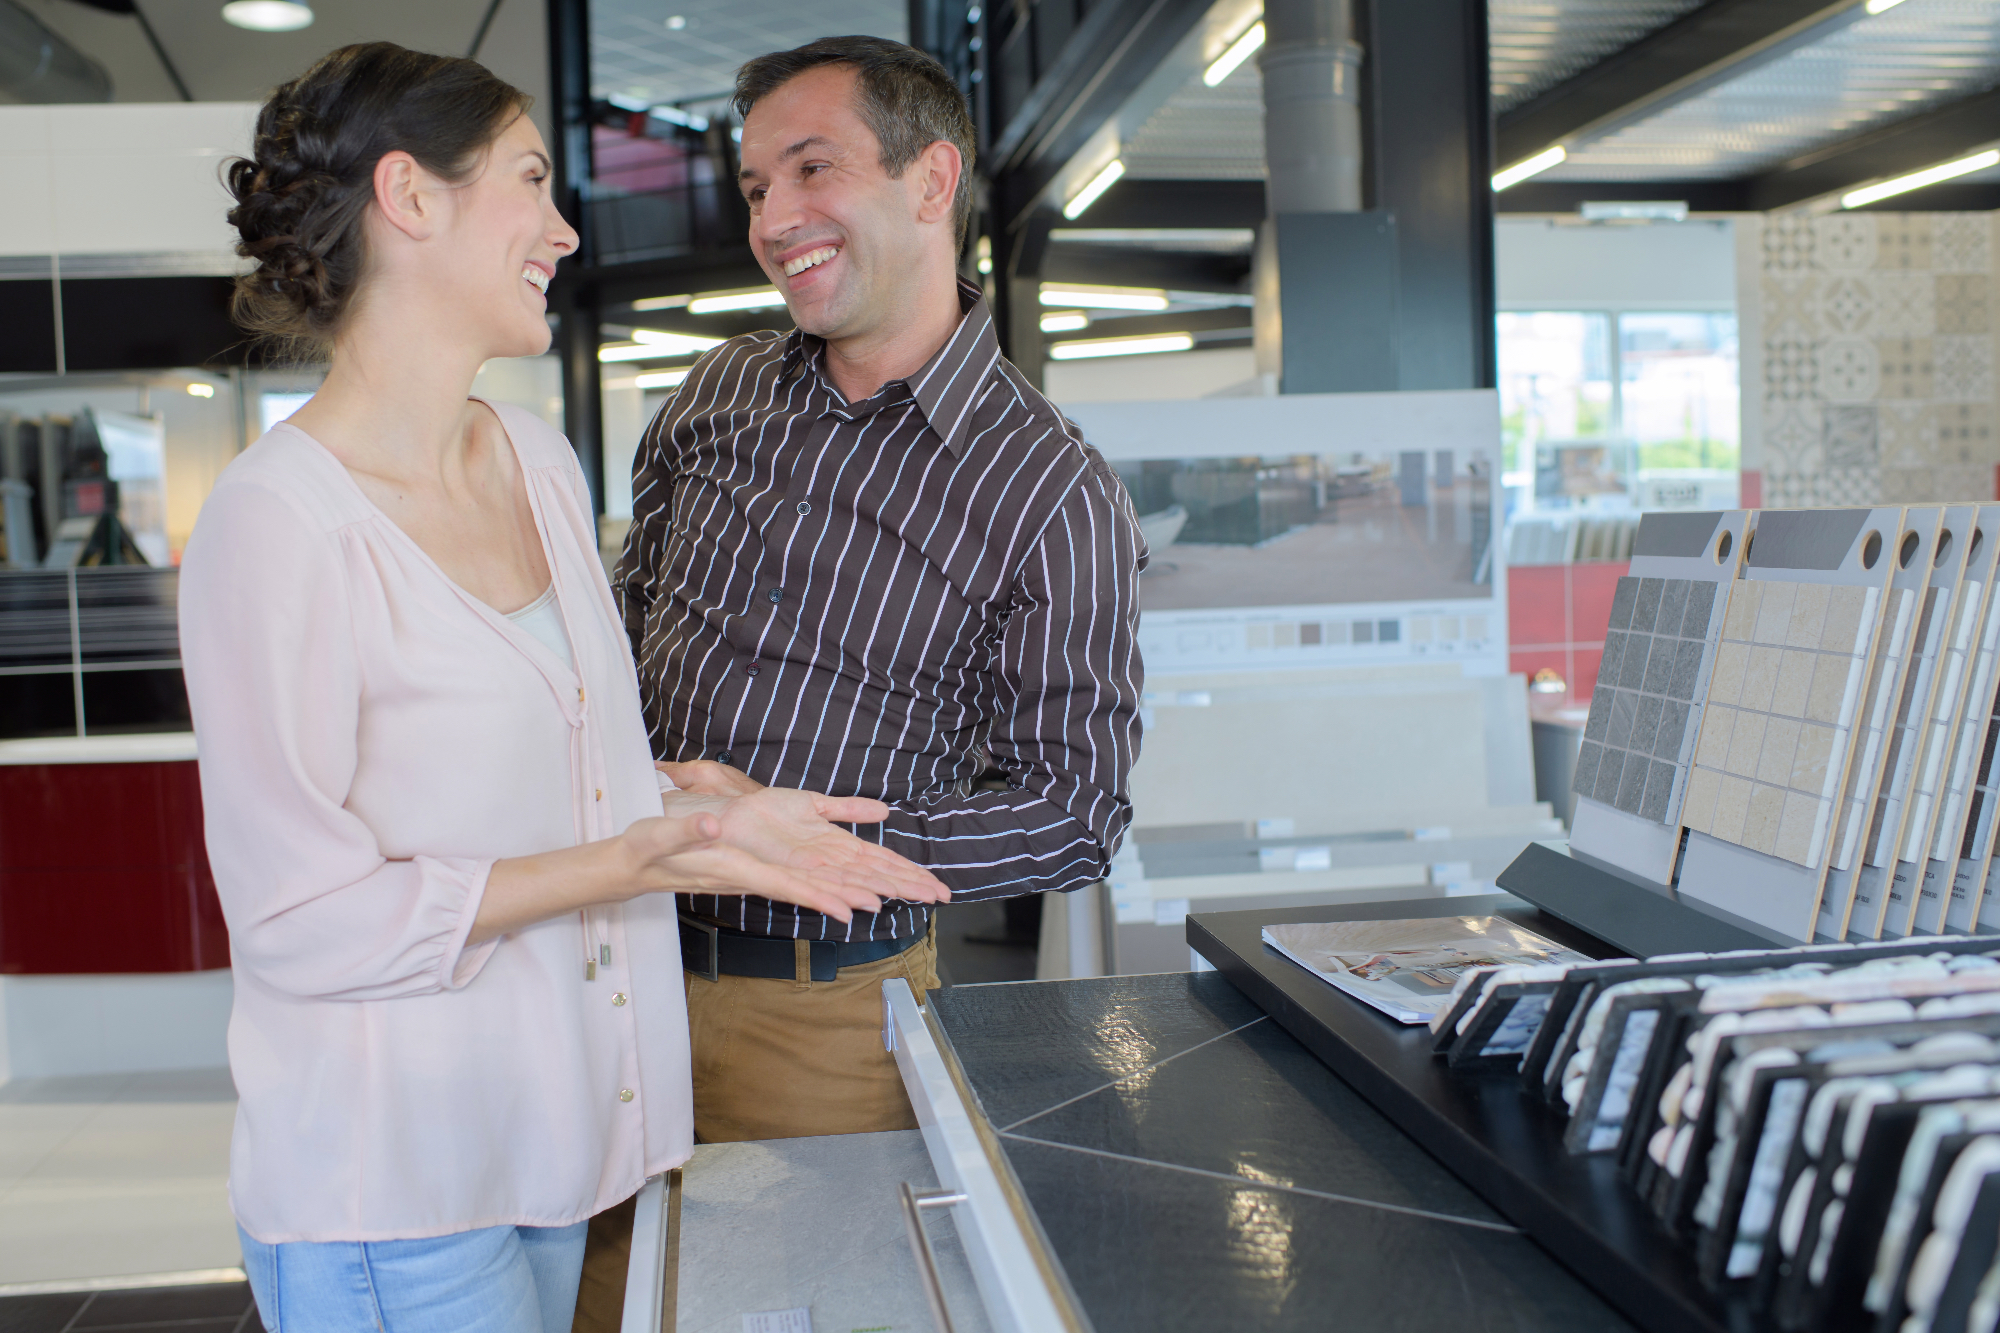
x=780 y=844
x=705 y=777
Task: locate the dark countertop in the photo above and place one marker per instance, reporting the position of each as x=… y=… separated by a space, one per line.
x=1194 y=1167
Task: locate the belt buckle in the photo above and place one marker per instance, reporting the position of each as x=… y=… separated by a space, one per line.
x=713 y=971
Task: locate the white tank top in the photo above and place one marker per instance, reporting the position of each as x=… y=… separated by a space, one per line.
x=543 y=619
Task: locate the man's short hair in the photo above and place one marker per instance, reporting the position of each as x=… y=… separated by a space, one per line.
x=905 y=97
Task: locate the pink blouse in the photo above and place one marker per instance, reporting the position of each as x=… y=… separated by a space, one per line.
x=372 y=739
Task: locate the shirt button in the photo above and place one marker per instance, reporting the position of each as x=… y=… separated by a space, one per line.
x=752 y=669
x=723 y=757
x=777 y=594
x=624 y=1094
x=618 y=1000
x=805 y=508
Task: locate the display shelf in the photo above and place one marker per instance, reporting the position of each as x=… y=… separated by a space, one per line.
x=1634 y=918
x=1495 y=1137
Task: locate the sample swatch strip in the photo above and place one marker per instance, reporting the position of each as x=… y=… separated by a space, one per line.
x=1636 y=744
x=1779 y=712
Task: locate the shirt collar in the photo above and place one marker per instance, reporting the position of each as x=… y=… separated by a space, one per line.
x=947 y=388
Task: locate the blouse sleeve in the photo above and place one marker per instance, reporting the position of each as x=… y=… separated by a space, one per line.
x=273 y=678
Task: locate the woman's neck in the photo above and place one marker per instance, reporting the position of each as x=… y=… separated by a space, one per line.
x=394 y=401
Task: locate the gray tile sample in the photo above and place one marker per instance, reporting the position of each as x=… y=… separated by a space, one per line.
x=1657 y=655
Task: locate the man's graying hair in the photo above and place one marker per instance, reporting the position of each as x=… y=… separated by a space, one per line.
x=903 y=95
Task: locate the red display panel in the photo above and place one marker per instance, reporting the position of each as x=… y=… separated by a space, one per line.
x=102 y=869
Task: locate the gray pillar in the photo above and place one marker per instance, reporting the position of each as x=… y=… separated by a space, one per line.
x=1312 y=107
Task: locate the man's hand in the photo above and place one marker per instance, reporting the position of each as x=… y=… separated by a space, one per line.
x=708 y=778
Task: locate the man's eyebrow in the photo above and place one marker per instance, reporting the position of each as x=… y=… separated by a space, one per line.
x=809 y=142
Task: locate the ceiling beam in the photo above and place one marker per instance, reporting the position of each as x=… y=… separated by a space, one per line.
x=1112 y=51
x=1122 y=266
x=1721 y=40
x=1174 y=203
x=1923 y=140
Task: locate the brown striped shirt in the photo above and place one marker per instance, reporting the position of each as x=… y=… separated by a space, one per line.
x=887 y=598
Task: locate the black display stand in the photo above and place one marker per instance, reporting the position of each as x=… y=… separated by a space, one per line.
x=1635 y=918
x=1502 y=1142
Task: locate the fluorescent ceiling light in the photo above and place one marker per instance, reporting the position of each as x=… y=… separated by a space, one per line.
x=1239 y=51
x=1099 y=183
x=662 y=379
x=1106 y=298
x=199 y=390
x=1534 y=166
x=1916 y=180
x=715 y=303
x=660 y=303
x=673 y=115
x=268 y=15
x=637 y=352
x=1078 y=351
x=1877 y=6
x=1065 y=321
x=675 y=344
x=1634 y=210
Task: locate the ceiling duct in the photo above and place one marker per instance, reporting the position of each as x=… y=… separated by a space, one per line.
x=39 y=67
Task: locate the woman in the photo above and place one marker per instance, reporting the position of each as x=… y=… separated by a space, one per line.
x=441 y=845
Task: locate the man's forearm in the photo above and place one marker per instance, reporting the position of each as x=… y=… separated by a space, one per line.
x=1001 y=844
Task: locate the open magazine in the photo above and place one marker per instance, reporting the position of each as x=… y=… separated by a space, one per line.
x=1407 y=969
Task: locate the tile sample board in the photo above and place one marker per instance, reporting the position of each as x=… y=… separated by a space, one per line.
x=1907 y=779
x=1637 y=741
x=1949 y=859
x=1957 y=653
x=1780 y=708
x=1876 y=725
x=1779 y=717
x=1645 y=714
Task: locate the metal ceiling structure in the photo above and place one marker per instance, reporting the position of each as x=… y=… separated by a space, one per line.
x=680 y=51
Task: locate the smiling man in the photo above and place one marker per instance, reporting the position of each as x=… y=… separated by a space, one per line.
x=868 y=557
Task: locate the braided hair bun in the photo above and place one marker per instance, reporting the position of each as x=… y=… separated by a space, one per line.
x=302 y=193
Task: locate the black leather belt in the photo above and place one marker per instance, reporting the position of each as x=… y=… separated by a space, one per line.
x=710 y=951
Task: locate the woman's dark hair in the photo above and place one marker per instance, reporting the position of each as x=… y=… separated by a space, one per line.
x=903 y=95
x=302 y=192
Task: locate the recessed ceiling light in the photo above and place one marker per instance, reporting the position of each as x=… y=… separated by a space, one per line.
x=677 y=22
x=268 y=15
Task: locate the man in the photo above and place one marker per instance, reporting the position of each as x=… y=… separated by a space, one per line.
x=868 y=557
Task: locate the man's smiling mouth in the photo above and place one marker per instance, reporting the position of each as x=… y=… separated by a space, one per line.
x=810 y=259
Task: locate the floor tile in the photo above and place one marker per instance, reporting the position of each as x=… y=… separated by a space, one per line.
x=1291 y=1122
x=111 y=1309
x=1149 y=1249
x=1024 y=1051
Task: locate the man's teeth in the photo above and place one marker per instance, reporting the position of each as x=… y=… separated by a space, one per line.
x=536 y=276
x=804 y=262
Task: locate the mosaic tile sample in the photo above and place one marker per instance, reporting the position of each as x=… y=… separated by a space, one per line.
x=1779 y=711
x=1646 y=709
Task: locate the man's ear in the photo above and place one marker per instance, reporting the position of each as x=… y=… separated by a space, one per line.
x=937 y=170
x=402 y=196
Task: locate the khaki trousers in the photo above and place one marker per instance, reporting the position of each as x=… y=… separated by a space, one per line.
x=774 y=1060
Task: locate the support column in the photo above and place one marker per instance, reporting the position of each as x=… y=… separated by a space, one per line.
x=574 y=302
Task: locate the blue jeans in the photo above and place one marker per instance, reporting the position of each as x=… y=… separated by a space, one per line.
x=494 y=1280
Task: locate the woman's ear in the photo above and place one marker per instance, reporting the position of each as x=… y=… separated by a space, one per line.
x=402 y=196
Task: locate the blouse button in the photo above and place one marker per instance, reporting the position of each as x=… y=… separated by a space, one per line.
x=618 y=1000
x=600 y=793
x=624 y=1094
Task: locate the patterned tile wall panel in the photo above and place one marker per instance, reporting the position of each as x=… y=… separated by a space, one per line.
x=1878 y=358
x=1646 y=710
x=1780 y=708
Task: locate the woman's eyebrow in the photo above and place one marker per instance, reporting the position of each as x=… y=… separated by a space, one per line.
x=542 y=158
